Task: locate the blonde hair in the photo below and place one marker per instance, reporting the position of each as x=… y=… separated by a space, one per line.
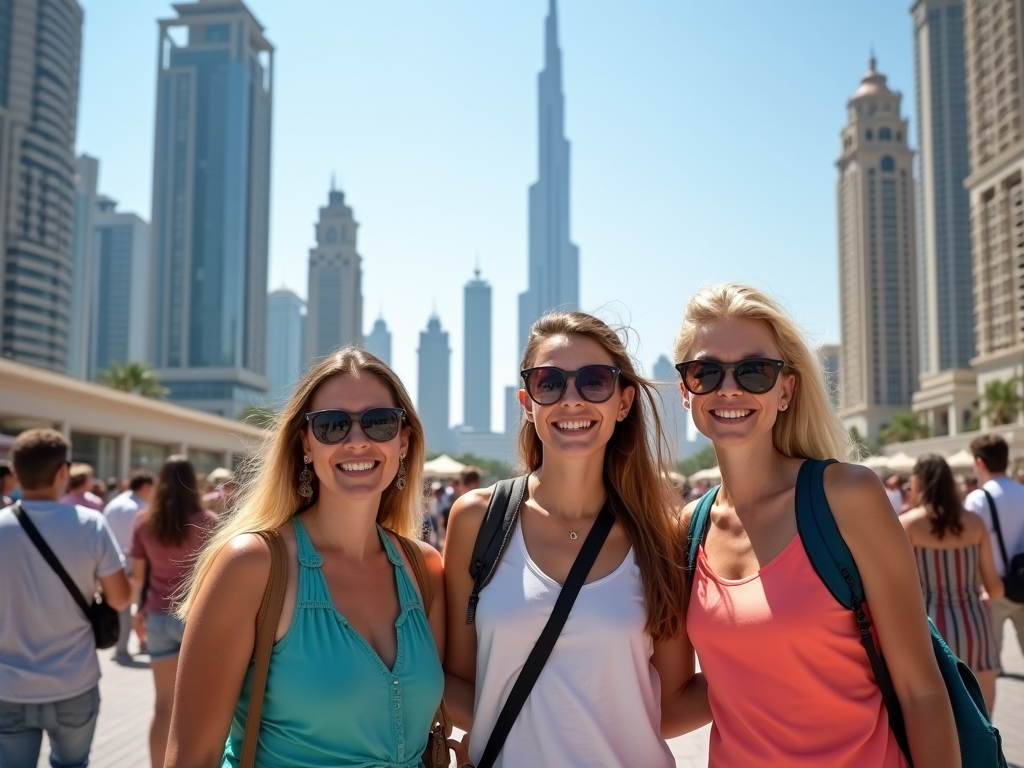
x=809 y=428
x=644 y=501
x=268 y=496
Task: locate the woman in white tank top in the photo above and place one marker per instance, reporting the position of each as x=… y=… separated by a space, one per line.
x=620 y=677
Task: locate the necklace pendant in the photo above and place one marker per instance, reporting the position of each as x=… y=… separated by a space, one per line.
x=572 y=535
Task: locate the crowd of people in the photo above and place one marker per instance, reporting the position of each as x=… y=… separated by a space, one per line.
x=562 y=618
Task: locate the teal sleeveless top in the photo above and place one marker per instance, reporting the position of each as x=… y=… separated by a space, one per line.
x=330 y=700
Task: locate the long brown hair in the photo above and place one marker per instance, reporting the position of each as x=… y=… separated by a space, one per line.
x=644 y=501
x=268 y=496
x=175 y=499
x=938 y=494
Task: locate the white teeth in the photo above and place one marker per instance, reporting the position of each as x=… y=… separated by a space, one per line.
x=573 y=424
x=731 y=414
x=357 y=466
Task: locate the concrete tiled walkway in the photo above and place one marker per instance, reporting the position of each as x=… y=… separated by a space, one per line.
x=127 y=693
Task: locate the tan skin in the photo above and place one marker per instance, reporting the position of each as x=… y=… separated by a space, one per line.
x=917 y=522
x=754 y=520
x=567 y=491
x=220 y=632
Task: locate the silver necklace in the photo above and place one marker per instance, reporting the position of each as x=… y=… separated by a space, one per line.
x=572 y=534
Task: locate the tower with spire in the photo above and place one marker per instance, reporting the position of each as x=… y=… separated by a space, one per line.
x=553 y=278
x=334 y=310
x=877 y=275
x=476 y=355
x=434 y=385
x=378 y=341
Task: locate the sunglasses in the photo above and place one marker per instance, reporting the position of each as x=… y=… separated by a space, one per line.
x=755 y=374
x=379 y=424
x=546 y=385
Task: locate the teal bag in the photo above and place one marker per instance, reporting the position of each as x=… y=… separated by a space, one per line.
x=980 y=743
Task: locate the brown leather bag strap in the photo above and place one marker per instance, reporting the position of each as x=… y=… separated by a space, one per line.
x=415 y=559
x=266 y=627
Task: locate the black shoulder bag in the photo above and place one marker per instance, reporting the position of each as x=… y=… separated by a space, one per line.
x=546 y=642
x=1013 y=581
x=106 y=627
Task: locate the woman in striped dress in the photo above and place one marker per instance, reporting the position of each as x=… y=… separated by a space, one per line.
x=954 y=561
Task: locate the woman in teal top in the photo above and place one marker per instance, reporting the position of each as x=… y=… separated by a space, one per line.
x=355 y=676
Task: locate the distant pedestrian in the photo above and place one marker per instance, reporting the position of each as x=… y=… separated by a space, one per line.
x=954 y=562
x=8 y=483
x=1005 y=500
x=221 y=485
x=49 y=673
x=121 y=513
x=79 y=491
x=165 y=540
x=894 y=490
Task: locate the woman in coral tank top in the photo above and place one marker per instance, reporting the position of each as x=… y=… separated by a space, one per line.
x=788 y=680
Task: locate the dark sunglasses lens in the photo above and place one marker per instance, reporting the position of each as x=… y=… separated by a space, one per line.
x=331 y=427
x=380 y=424
x=757 y=376
x=596 y=383
x=546 y=385
x=702 y=377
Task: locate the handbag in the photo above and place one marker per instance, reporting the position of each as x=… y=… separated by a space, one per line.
x=1013 y=581
x=106 y=625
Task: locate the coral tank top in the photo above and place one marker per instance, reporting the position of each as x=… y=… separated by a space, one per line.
x=788 y=681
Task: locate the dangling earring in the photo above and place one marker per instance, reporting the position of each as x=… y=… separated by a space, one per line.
x=400 y=482
x=305 y=480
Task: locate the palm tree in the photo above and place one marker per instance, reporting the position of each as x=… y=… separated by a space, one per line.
x=903 y=426
x=258 y=415
x=1001 y=401
x=137 y=378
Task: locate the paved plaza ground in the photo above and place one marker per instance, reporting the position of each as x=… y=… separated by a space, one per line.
x=127 y=693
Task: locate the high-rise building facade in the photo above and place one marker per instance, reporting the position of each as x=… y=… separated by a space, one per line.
x=119 y=288
x=945 y=307
x=476 y=355
x=285 y=350
x=39 y=66
x=993 y=36
x=378 y=341
x=554 y=262
x=83 y=267
x=673 y=416
x=334 y=315
x=211 y=201
x=434 y=385
x=877 y=282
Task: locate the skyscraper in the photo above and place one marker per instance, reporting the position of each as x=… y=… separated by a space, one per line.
x=39 y=63
x=285 y=331
x=945 y=306
x=335 y=298
x=674 y=417
x=119 y=288
x=434 y=380
x=379 y=341
x=554 y=279
x=83 y=267
x=476 y=355
x=995 y=107
x=211 y=200
x=877 y=285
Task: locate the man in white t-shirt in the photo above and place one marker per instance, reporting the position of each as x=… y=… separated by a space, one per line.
x=991 y=458
x=121 y=513
x=49 y=673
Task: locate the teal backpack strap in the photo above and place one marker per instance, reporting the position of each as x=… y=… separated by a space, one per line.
x=835 y=566
x=698 y=531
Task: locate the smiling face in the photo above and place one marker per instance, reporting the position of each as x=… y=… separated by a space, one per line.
x=356 y=467
x=573 y=426
x=730 y=415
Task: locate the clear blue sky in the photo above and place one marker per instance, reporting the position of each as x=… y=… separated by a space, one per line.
x=704 y=138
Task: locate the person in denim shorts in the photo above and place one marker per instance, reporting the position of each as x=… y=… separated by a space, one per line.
x=164 y=542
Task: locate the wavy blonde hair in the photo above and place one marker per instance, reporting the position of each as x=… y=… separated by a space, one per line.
x=645 y=503
x=268 y=496
x=809 y=428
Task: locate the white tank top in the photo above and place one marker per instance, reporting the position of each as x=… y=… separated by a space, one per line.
x=597 y=702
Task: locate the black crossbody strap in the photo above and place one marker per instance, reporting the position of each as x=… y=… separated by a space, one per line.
x=50 y=558
x=546 y=642
x=998 y=529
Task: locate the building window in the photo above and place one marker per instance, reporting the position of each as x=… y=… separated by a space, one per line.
x=888 y=164
x=868 y=135
x=884 y=134
x=332 y=235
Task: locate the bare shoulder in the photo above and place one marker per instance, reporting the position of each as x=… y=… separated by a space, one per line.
x=687 y=513
x=851 y=480
x=469 y=510
x=431 y=556
x=973 y=525
x=859 y=502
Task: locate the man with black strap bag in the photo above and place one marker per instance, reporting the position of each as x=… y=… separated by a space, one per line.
x=52 y=555
x=999 y=501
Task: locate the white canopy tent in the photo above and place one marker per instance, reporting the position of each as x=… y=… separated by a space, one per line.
x=901 y=463
x=714 y=474
x=961 y=461
x=443 y=466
